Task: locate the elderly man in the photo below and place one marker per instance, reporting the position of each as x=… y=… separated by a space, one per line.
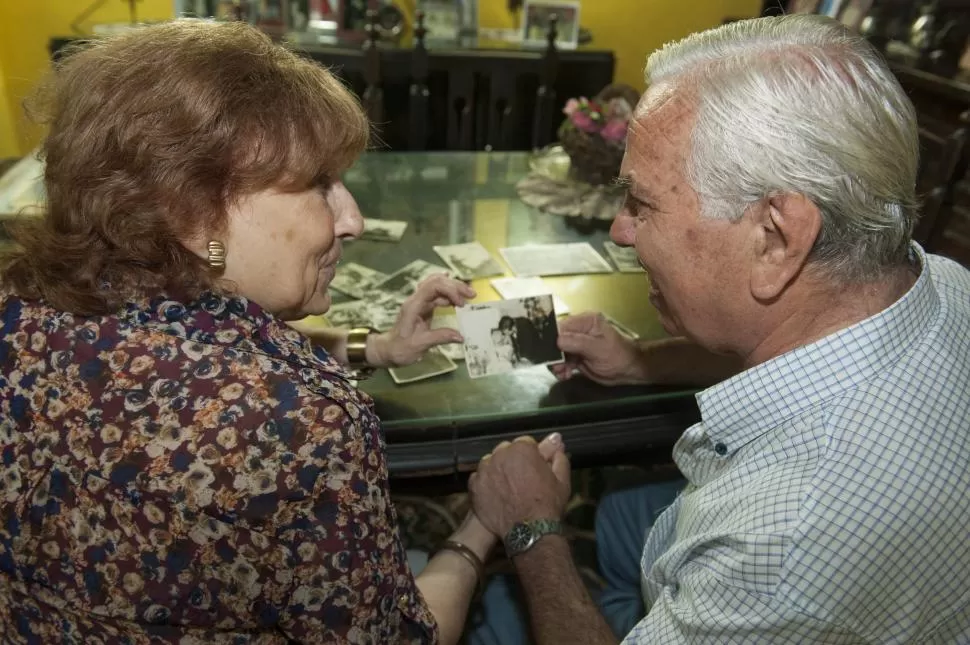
x=770 y=173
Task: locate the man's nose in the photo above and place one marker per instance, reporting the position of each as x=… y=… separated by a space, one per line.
x=622 y=230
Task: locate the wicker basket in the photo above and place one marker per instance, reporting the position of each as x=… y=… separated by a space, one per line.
x=593 y=159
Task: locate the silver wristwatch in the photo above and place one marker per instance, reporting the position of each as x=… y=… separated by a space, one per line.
x=523 y=535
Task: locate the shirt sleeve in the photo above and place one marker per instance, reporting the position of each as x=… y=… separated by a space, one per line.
x=351 y=582
x=701 y=607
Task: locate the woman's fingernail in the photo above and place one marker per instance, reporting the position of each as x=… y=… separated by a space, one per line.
x=555 y=438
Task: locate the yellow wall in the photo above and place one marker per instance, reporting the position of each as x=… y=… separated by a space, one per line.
x=634 y=28
x=9 y=147
x=631 y=28
x=25 y=28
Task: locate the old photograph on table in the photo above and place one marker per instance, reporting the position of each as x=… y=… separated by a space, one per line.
x=434 y=363
x=355 y=279
x=621 y=329
x=405 y=281
x=624 y=257
x=555 y=259
x=507 y=335
x=469 y=261
x=383 y=230
x=376 y=309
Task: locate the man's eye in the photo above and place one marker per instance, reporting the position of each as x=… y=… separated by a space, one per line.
x=635 y=206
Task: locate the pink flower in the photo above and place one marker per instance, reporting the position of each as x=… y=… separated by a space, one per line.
x=571 y=106
x=614 y=131
x=583 y=121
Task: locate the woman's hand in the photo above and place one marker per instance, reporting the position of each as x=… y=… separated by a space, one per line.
x=412 y=335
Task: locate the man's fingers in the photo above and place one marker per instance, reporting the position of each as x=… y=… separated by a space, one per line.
x=524 y=438
x=577 y=344
x=582 y=323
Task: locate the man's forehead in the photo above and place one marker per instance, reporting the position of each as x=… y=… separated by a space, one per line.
x=655 y=96
x=664 y=102
x=660 y=128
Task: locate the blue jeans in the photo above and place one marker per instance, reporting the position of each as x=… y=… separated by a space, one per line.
x=622 y=521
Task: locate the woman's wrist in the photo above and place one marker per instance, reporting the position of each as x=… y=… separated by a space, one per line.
x=376 y=350
x=473 y=534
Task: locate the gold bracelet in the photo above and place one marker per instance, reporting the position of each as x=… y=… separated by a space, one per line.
x=357 y=350
x=470 y=556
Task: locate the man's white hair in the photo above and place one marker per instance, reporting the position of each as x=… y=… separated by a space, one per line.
x=800 y=104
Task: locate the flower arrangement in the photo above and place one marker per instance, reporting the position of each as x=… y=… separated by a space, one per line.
x=594 y=132
x=609 y=121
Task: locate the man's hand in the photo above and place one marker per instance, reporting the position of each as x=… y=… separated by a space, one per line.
x=412 y=335
x=516 y=483
x=598 y=352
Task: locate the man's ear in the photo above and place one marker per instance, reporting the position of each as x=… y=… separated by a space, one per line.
x=787 y=225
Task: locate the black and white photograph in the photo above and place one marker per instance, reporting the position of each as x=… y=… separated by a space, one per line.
x=507 y=335
x=454 y=351
x=405 y=281
x=383 y=230
x=469 y=261
x=355 y=280
x=376 y=309
x=554 y=259
x=624 y=257
x=434 y=363
x=509 y=288
x=535 y=23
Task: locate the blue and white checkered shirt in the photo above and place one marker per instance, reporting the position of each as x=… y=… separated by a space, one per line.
x=829 y=489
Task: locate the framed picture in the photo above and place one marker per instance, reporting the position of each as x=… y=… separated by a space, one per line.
x=802 y=6
x=854 y=12
x=323 y=14
x=535 y=23
x=441 y=19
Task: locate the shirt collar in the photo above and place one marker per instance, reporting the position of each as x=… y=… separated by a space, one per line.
x=751 y=403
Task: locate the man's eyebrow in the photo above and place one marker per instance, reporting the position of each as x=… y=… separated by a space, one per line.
x=641 y=192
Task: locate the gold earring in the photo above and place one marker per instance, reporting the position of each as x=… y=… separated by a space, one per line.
x=217 y=255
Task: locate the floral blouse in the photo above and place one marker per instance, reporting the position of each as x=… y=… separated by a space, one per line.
x=191 y=473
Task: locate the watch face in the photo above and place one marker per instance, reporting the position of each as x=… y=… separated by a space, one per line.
x=519 y=538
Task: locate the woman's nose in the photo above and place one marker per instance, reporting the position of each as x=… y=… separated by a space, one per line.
x=348 y=222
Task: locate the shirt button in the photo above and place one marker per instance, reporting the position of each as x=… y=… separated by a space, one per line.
x=720 y=448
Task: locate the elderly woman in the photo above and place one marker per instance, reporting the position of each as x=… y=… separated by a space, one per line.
x=178 y=464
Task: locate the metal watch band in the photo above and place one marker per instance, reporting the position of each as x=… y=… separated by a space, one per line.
x=524 y=535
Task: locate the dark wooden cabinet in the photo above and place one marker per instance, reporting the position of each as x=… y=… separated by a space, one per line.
x=476 y=98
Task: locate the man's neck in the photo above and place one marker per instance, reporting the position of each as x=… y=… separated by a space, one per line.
x=820 y=309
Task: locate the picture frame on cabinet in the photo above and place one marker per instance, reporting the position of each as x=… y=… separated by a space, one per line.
x=535 y=23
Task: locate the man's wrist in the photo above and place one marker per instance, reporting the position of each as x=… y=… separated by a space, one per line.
x=550 y=544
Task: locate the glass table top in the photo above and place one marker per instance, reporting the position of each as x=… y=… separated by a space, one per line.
x=455 y=197
x=441 y=426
